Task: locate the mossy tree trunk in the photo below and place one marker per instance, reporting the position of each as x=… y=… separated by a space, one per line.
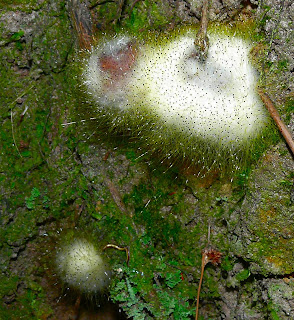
x=72 y=177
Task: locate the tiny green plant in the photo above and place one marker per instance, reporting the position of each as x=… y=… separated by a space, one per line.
x=128 y=292
x=222 y=199
x=30 y=201
x=37 y=199
x=16 y=38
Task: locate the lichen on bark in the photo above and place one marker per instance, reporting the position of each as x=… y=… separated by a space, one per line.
x=67 y=176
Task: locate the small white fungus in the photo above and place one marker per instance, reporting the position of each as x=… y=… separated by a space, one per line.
x=82 y=268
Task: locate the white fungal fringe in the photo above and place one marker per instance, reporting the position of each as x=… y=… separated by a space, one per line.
x=215 y=101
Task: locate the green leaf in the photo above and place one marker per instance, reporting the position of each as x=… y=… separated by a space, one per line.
x=17 y=35
x=243 y=275
x=132 y=292
x=172 y=279
x=30 y=203
x=35 y=192
x=167 y=301
x=26 y=153
x=182 y=312
x=97 y=215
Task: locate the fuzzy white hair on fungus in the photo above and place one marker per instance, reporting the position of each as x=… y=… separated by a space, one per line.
x=81 y=267
x=207 y=111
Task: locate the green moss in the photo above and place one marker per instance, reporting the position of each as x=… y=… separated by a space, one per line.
x=23 y=5
x=274 y=315
x=146 y=15
x=165 y=302
x=243 y=275
x=8 y=285
x=33 y=307
x=227 y=263
x=37 y=188
x=289 y=108
x=164 y=232
x=30 y=304
x=133 y=18
x=283 y=65
x=268 y=222
x=160 y=248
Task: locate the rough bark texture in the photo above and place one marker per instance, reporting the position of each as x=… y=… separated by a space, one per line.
x=76 y=178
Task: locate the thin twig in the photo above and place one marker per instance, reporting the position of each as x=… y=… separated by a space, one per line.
x=12 y=130
x=20 y=96
x=203 y=264
x=276 y=117
x=208 y=234
x=11 y=115
x=201 y=42
x=208 y=255
x=22 y=116
x=120 y=249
